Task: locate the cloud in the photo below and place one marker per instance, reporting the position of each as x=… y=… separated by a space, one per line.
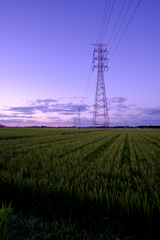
x=14 y=116
x=149 y=111
x=137 y=116
x=74 y=121
x=117 y=104
x=67 y=98
x=117 y=100
x=61 y=108
x=45 y=101
x=53 y=121
x=121 y=107
x=25 y=110
x=4 y=115
x=40 y=101
x=53 y=117
x=19 y=121
x=55 y=112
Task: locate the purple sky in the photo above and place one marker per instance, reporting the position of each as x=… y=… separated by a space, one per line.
x=46 y=54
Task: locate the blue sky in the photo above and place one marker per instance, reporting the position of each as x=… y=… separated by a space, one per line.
x=46 y=56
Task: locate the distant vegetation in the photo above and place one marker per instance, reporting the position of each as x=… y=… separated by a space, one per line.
x=94 y=178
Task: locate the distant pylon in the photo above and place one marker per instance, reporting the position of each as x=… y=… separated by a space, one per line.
x=75 y=122
x=100 y=113
x=79 y=123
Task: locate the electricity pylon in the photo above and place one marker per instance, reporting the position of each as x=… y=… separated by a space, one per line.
x=100 y=113
x=79 y=123
x=75 y=122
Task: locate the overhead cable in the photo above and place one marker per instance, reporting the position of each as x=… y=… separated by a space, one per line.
x=102 y=21
x=108 y=20
x=117 y=21
x=126 y=28
x=88 y=81
x=121 y=25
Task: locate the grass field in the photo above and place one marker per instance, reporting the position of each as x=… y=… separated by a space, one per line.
x=85 y=175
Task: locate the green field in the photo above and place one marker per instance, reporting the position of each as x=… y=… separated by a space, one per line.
x=84 y=174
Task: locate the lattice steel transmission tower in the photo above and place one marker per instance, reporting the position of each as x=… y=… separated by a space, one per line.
x=100 y=114
x=79 y=123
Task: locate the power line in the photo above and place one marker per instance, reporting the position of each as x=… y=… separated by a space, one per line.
x=126 y=28
x=117 y=21
x=105 y=12
x=102 y=30
x=108 y=20
x=88 y=80
x=102 y=20
x=121 y=25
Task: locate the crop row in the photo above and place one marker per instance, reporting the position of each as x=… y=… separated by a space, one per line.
x=94 y=174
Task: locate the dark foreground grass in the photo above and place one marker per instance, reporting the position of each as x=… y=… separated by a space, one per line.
x=17 y=226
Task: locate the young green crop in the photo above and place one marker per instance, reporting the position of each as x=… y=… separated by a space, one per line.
x=90 y=174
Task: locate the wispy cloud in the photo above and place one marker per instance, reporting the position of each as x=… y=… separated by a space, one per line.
x=41 y=101
x=56 y=111
x=49 y=106
x=25 y=110
x=137 y=116
x=14 y=116
x=149 y=111
x=117 y=100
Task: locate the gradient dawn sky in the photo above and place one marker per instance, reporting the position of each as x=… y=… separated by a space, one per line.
x=46 y=56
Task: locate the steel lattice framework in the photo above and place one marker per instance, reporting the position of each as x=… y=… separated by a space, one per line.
x=79 y=123
x=100 y=114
